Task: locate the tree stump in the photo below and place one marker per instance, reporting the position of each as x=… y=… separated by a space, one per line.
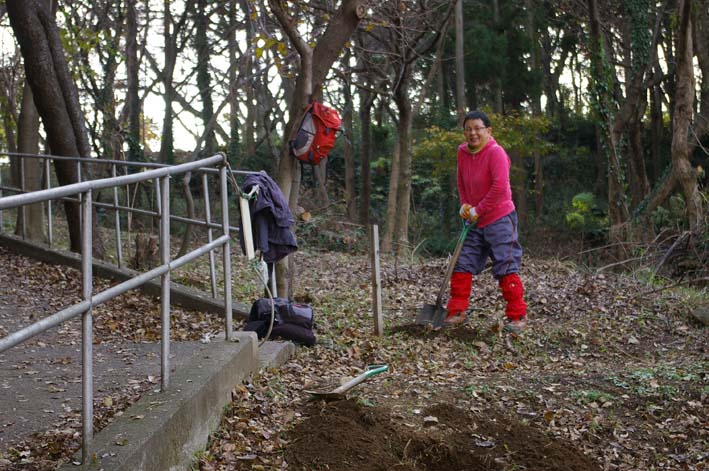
x=146 y=252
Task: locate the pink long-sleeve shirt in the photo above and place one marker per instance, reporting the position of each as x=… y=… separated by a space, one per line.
x=484 y=181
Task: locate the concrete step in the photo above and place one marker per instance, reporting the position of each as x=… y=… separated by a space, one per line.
x=163 y=430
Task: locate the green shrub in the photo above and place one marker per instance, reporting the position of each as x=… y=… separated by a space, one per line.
x=585 y=216
x=672 y=215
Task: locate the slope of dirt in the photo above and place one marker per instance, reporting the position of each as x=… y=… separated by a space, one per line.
x=346 y=435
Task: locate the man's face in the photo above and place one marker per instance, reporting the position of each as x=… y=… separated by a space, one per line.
x=476 y=134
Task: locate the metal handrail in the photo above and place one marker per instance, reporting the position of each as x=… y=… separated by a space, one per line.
x=85 y=307
x=144 y=212
x=103 y=183
x=127 y=163
x=47 y=158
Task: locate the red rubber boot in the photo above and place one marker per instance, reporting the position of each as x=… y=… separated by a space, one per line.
x=516 y=310
x=461 y=284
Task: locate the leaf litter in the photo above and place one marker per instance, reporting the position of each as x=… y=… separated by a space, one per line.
x=573 y=392
x=31 y=290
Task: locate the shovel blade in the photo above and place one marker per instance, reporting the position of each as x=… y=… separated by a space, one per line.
x=326 y=395
x=431 y=314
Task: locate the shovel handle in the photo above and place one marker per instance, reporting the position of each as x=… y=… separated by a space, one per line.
x=369 y=372
x=454 y=259
x=376 y=369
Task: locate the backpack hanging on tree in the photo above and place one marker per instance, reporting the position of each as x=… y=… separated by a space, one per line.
x=315 y=137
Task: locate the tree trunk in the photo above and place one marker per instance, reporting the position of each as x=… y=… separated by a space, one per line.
x=28 y=143
x=576 y=72
x=637 y=60
x=389 y=231
x=110 y=131
x=497 y=82
x=111 y=141
x=700 y=28
x=684 y=99
x=459 y=62
x=519 y=191
x=8 y=108
x=637 y=174
x=171 y=34
x=604 y=109
x=670 y=59
x=406 y=46
x=403 y=197
x=133 y=102
x=315 y=63
x=365 y=119
x=320 y=174
x=251 y=108
x=535 y=62
x=551 y=82
x=233 y=147
x=55 y=94
x=314 y=66
x=347 y=123
x=656 y=127
x=682 y=173
x=167 y=146
x=204 y=76
x=135 y=150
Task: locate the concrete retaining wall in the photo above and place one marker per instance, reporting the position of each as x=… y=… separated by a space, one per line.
x=163 y=430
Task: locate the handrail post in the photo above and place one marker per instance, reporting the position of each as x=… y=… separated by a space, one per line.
x=81 y=195
x=117 y=216
x=50 y=228
x=129 y=214
x=227 y=252
x=1 y=221
x=164 y=194
x=208 y=219
x=87 y=329
x=23 y=209
x=85 y=307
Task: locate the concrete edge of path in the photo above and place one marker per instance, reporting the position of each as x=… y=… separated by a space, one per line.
x=163 y=430
x=184 y=296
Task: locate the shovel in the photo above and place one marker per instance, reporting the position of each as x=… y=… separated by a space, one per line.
x=340 y=391
x=433 y=314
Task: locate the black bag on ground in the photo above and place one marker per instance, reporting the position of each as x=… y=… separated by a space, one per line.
x=294 y=333
x=292 y=321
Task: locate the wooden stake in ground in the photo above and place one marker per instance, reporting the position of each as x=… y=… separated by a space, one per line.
x=376 y=281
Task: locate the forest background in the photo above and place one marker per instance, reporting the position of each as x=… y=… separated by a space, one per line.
x=602 y=106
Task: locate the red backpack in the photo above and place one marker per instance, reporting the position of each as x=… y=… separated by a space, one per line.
x=316 y=134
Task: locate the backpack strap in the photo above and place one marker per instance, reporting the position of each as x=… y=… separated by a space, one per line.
x=297 y=126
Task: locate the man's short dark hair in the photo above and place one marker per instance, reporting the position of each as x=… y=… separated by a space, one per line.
x=475 y=114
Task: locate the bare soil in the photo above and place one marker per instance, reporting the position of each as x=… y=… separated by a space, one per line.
x=347 y=435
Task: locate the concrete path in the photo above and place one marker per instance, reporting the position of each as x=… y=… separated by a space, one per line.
x=40 y=385
x=40 y=382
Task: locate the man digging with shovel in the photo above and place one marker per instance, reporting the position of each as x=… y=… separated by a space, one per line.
x=486 y=198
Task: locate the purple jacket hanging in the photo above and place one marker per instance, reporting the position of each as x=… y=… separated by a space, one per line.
x=271 y=218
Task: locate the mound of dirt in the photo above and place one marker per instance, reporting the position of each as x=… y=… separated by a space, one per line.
x=346 y=435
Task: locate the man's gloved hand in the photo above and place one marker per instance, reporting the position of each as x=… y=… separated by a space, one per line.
x=468 y=213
